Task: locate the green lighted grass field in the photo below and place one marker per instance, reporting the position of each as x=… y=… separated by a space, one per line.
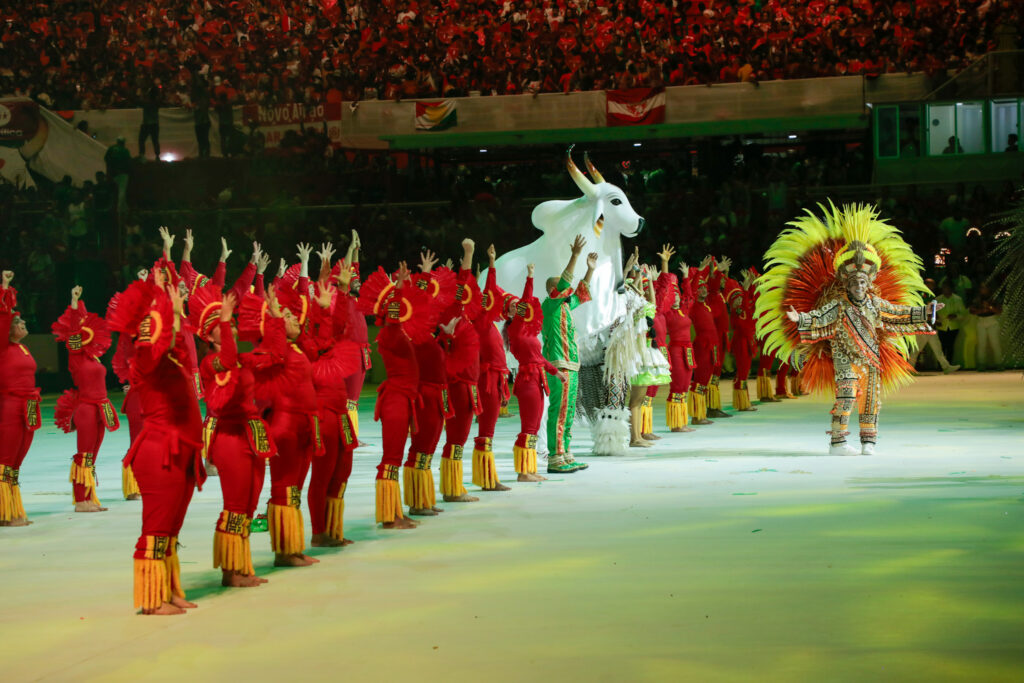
x=738 y=552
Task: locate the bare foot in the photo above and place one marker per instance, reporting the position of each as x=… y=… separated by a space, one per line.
x=298 y=560
x=422 y=512
x=464 y=498
x=639 y=443
x=89 y=506
x=400 y=523
x=702 y=422
x=651 y=437
x=133 y=496
x=232 y=579
x=258 y=579
x=678 y=430
x=307 y=558
x=498 y=487
x=182 y=602
x=325 y=541
x=748 y=410
x=20 y=521
x=164 y=610
x=437 y=509
x=531 y=477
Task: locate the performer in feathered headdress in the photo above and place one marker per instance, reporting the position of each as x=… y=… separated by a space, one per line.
x=493 y=379
x=86 y=409
x=531 y=385
x=19 y=404
x=843 y=293
x=403 y=312
x=166 y=456
x=433 y=407
x=462 y=365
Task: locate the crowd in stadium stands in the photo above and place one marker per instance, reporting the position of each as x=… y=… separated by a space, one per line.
x=72 y=54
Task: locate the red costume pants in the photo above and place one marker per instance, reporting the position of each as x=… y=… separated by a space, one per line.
x=744 y=359
x=781 y=387
x=240 y=470
x=765 y=362
x=705 y=356
x=396 y=412
x=530 y=392
x=296 y=439
x=132 y=409
x=332 y=469
x=354 y=385
x=90 y=428
x=493 y=390
x=167 y=480
x=15 y=436
x=430 y=418
x=464 y=406
x=682 y=371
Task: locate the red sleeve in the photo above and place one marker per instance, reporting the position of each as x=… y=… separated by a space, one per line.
x=551 y=369
x=8 y=300
x=228 y=349
x=716 y=279
x=258 y=285
x=244 y=281
x=220 y=274
x=528 y=288
x=189 y=273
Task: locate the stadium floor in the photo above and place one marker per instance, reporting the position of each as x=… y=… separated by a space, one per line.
x=738 y=552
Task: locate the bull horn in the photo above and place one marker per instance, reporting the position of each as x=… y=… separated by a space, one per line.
x=577 y=176
x=594 y=173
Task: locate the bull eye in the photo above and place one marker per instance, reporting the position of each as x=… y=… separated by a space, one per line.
x=616 y=201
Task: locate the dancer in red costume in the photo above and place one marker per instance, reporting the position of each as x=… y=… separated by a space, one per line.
x=86 y=409
x=740 y=298
x=330 y=472
x=664 y=296
x=782 y=385
x=236 y=439
x=166 y=456
x=403 y=310
x=356 y=336
x=492 y=384
x=765 y=359
x=705 y=345
x=716 y=287
x=680 y=346
x=131 y=408
x=531 y=385
x=463 y=368
x=285 y=374
x=433 y=407
x=19 y=404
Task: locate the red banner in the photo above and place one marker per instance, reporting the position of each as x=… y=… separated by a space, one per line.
x=635 y=107
x=277 y=119
x=19 y=120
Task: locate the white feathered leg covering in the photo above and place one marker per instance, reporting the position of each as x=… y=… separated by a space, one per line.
x=610 y=431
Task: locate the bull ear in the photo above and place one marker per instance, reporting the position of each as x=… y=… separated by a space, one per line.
x=562 y=219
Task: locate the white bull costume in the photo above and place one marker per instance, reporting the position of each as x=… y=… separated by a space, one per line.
x=603 y=215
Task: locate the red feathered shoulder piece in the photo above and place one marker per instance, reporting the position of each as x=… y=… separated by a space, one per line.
x=204 y=309
x=129 y=308
x=412 y=308
x=374 y=294
x=440 y=285
x=732 y=288
x=65 y=410
x=493 y=300
x=170 y=272
x=290 y=277
x=82 y=331
x=252 y=318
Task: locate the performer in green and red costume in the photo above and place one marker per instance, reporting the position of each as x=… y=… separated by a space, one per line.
x=560 y=348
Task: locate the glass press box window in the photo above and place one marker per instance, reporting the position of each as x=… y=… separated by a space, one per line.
x=956 y=128
x=887 y=127
x=1005 y=123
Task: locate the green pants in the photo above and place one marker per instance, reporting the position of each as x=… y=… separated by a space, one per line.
x=561 y=411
